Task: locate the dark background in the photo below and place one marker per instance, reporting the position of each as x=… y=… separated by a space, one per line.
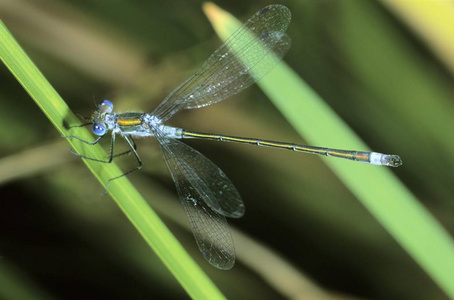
x=60 y=238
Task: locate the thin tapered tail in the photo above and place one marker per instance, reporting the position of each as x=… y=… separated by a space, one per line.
x=373 y=158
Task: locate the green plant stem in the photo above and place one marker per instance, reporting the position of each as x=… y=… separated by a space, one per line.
x=153 y=230
x=378 y=189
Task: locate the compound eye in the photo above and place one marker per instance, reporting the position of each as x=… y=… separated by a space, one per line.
x=105 y=106
x=98 y=129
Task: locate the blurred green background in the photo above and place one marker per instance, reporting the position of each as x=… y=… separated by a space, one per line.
x=60 y=238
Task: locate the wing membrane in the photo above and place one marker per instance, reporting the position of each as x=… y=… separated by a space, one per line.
x=207 y=196
x=215 y=188
x=249 y=54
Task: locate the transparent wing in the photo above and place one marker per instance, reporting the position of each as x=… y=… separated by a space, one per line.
x=207 y=196
x=249 y=54
x=215 y=188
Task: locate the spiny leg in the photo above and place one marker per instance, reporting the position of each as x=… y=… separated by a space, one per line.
x=78 y=138
x=133 y=149
x=82 y=140
x=92 y=143
x=131 y=144
x=127 y=151
x=84 y=118
x=87 y=121
x=112 y=142
x=81 y=125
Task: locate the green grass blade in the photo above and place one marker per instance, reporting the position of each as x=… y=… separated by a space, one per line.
x=392 y=204
x=190 y=276
x=15 y=284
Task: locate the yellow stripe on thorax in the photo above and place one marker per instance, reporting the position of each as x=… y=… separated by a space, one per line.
x=126 y=122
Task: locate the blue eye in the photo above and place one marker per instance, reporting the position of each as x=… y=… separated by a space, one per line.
x=98 y=129
x=107 y=102
x=105 y=106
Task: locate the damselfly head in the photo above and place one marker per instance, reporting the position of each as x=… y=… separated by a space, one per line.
x=100 y=116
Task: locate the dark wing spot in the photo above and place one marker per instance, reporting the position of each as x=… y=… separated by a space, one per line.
x=264 y=35
x=264 y=10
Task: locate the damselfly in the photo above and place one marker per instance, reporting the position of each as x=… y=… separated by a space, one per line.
x=208 y=196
